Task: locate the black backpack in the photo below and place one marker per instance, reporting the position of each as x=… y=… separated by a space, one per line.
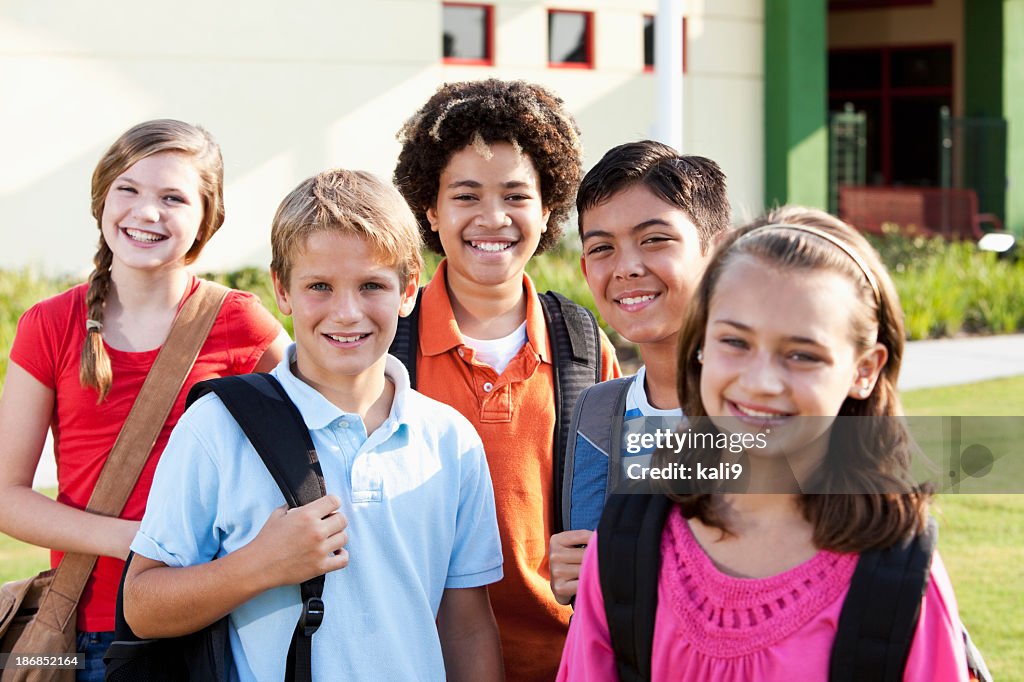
x=876 y=625
x=576 y=342
x=276 y=430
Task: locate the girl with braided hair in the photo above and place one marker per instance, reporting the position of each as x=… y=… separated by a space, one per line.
x=79 y=359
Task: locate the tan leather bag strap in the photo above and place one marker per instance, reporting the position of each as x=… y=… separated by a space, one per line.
x=135 y=442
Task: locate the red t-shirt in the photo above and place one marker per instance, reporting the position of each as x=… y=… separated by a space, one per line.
x=48 y=345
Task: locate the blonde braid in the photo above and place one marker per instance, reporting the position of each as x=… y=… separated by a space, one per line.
x=94 y=366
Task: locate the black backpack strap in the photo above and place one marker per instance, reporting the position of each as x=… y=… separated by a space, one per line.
x=277 y=431
x=407 y=339
x=598 y=417
x=629 y=561
x=880 y=613
x=576 y=346
x=203 y=655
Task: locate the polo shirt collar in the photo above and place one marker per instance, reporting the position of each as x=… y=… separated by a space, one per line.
x=318 y=412
x=439 y=332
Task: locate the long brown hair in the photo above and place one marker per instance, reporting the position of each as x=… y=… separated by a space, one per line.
x=877 y=453
x=137 y=143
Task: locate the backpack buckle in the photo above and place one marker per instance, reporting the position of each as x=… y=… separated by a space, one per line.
x=312 y=616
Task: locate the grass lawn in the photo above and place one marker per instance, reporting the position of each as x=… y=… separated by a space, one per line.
x=995 y=398
x=981 y=537
x=18 y=560
x=981 y=540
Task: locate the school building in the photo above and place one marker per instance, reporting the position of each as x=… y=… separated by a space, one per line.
x=795 y=98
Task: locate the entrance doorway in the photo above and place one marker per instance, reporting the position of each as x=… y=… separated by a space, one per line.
x=901 y=90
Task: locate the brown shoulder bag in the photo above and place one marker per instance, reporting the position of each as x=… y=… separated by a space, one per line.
x=37 y=615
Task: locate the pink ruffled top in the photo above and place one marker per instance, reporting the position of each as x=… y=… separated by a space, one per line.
x=712 y=626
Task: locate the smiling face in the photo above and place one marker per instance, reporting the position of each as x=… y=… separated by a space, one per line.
x=642 y=261
x=345 y=304
x=778 y=345
x=489 y=215
x=152 y=212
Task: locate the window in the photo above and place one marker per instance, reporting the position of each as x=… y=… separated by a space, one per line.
x=468 y=34
x=901 y=90
x=649 y=43
x=570 y=39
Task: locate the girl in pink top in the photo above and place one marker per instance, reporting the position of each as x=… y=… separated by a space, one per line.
x=795 y=316
x=79 y=358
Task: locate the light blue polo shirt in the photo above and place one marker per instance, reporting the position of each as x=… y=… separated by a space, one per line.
x=420 y=509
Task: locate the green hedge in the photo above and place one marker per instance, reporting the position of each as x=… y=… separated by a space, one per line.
x=953 y=288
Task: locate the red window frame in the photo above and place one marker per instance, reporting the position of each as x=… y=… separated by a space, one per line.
x=887 y=92
x=488 y=36
x=840 y=6
x=588 y=40
x=649 y=68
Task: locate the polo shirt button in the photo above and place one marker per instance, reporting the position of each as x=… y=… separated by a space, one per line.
x=344 y=424
x=462 y=353
x=488 y=387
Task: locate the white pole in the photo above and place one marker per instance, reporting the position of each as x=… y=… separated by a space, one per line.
x=668 y=72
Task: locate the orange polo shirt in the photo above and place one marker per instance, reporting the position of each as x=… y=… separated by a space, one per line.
x=514 y=413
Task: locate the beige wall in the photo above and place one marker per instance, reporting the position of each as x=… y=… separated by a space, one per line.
x=289 y=91
x=940 y=22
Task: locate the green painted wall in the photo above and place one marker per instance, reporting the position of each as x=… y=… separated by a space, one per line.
x=983 y=57
x=985 y=150
x=1013 y=110
x=795 y=102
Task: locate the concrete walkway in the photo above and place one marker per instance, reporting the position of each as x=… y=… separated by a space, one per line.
x=926 y=364
x=948 y=362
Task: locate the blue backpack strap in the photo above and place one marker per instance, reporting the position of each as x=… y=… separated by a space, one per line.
x=880 y=613
x=598 y=418
x=407 y=339
x=277 y=431
x=629 y=562
x=576 y=345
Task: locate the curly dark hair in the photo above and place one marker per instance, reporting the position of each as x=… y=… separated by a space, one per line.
x=526 y=115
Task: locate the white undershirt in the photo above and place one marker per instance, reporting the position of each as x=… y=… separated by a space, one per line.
x=636 y=399
x=498 y=352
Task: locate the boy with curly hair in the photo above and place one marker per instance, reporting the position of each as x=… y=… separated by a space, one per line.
x=490 y=169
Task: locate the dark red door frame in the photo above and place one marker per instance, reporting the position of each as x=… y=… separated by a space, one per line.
x=887 y=92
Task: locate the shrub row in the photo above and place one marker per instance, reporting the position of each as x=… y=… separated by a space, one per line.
x=946 y=288
x=953 y=288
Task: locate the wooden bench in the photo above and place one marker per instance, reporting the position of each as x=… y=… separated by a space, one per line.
x=950 y=213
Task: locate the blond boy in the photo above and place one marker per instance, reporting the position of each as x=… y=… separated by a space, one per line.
x=406 y=536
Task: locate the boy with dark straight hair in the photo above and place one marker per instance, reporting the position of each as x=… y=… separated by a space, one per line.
x=647 y=218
